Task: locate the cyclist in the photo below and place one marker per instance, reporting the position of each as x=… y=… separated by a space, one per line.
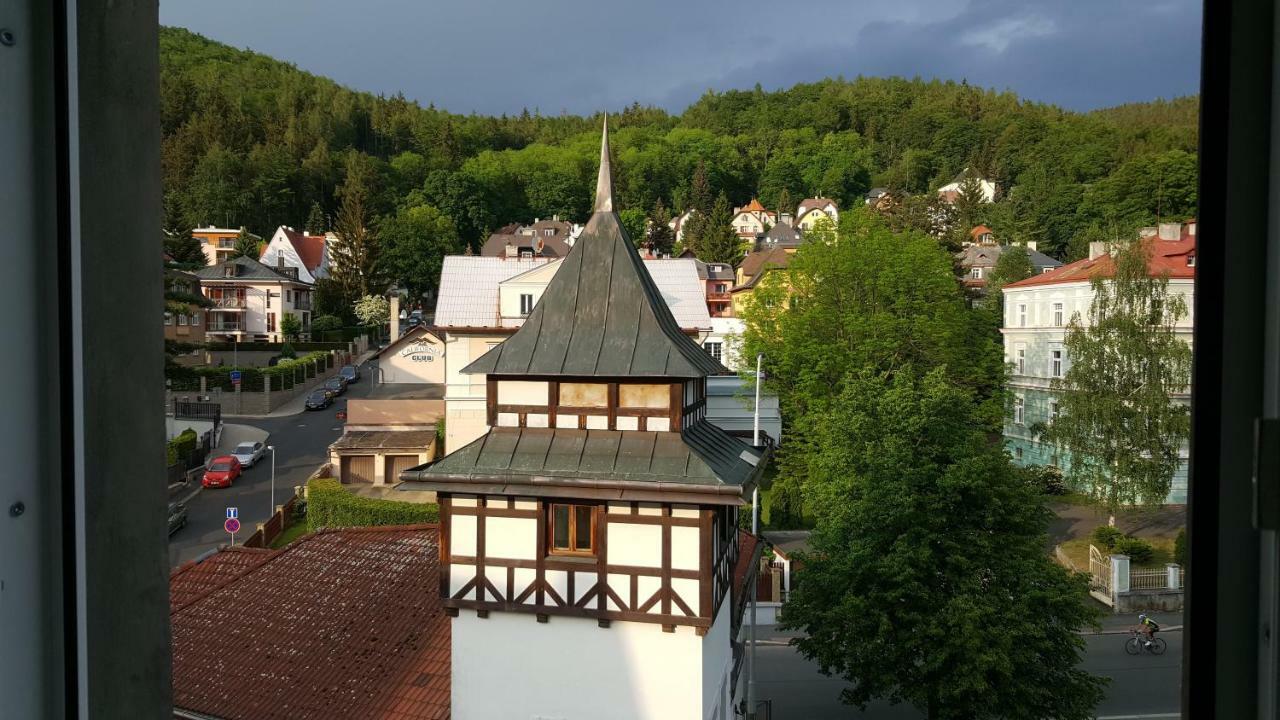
x=1148 y=628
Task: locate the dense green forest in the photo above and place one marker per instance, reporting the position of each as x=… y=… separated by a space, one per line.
x=252 y=141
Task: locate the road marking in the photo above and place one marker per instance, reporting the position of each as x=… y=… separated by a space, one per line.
x=1139 y=717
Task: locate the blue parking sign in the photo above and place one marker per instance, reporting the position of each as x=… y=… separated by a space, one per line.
x=235 y=377
x=233 y=513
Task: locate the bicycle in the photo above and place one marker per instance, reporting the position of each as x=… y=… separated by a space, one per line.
x=1137 y=643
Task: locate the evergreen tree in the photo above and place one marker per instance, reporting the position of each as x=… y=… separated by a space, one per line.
x=185 y=250
x=1014 y=264
x=246 y=245
x=786 y=204
x=1117 y=421
x=317 y=223
x=660 y=235
x=355 y=254
x=701 y=202
x=719 y=242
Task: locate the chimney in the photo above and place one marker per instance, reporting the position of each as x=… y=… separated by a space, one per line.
x=395 y=316
x=1148 y=231
x=1097 y=249
x=555 y=218
x=786 y=218
x=1170 y=231
x=1031 y=245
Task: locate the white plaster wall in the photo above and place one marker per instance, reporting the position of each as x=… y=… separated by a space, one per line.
x=462 y=535
x=684 y=548
x=420 y=361
x=465 y=420
x=522 y=392
x=634 y=544
x=717 y=663
x=513 y=538
x=571 y=669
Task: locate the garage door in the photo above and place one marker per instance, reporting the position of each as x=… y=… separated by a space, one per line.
x=396 y=463
x=357 y=469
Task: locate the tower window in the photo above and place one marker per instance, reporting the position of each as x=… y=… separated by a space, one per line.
x=572 y=530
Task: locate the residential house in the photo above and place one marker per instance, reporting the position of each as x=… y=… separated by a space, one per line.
x=544 y=238
x=677 y=224
x=1036 y=313
x=183 y=321
x=302 y=250
x=753 y=269
x=874 y=194
x=951 y=191
x=590 y=556
x=381 y=438
x=218 y=243
x=337 y=624
x=752 y=220
x=814 y=210
x=249 y=300
x=726 y=330
x=483 y=300
x=416 y=357
x=786 y=234
x=981 y=235
x=978 y=260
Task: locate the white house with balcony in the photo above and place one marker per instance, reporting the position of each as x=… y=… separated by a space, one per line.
x=250 y=300
x=307 y=252
x=1036 y=314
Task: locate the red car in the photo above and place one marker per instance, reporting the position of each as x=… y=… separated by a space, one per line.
x=222 y=472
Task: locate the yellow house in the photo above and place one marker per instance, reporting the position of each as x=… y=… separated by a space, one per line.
x=218 y=243
x=753 y=268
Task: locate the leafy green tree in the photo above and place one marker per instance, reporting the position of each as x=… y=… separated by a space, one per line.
x=325 y=323
x=332 y=299
x=317 y=223
x=185 y=250
x=1014 y=264
x=1117 y=419
x=927 y=582
x=633 y=221
x=372 y=310
x=291 y=326
x=719 y=242
x=354 y=258
x=415 y=241
x=660 y=235
x=246 y=245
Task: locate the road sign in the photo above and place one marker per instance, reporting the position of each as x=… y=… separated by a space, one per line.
x=233 y=513
x=235 y=377
x=232 y=526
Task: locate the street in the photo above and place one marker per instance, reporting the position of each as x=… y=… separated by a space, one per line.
x=301 y=442
x=1143 y=687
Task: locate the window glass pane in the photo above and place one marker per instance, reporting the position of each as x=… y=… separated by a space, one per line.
x=560 y=524
x=583 y=530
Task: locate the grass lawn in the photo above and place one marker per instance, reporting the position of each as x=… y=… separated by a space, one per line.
x=1078 y=552
x=291 y=533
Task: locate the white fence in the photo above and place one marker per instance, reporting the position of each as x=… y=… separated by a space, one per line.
x=1151 y=579
x=1114 y=582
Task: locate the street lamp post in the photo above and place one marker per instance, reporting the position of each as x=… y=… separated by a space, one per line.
x=273 y=480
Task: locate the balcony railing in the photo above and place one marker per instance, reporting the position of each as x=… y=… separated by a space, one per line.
x=224 y=326
x=230 y=302
x=302 y=304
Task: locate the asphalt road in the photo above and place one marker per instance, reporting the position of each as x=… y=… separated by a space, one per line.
x=302 y=444
x=1143 y=687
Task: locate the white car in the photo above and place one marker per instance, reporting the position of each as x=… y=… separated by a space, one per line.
x=249 y=453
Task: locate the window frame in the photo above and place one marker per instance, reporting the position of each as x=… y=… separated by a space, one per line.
x=551 y=550
x=1057 y=362
x=526 y=311
x=1019 y=410
x=1059 y=314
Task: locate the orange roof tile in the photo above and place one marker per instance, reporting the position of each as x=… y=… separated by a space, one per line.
x=340 y=624
x=310 y=248
x=1168 y=257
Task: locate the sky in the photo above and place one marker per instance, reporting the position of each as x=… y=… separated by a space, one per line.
x=580 y=56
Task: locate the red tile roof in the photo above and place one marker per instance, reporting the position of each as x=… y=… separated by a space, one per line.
x=1168 y=256
x=979 y=231
x=747 y=544
x=310 y=248
x=340 y=624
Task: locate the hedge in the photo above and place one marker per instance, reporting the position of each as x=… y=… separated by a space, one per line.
x=329 y=505
x=276 y=347
x=284 y=375
x=180 y=446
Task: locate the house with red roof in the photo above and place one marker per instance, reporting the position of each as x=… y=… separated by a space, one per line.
x=308 y=252
x=752 y=220
x=1037 y=311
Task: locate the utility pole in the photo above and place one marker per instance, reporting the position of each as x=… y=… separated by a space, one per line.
x=755 y=531
x=273 y=479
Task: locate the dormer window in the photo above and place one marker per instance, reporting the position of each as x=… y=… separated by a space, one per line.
x=229 y=271
x=572 y=530
x=1191 y=260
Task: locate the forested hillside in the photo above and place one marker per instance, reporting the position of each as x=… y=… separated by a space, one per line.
x=252 y=141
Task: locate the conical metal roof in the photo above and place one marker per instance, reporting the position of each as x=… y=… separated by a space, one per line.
x=601 y=315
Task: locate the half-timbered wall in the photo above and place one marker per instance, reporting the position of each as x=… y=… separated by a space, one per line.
x=664 y=563
x=590 y=404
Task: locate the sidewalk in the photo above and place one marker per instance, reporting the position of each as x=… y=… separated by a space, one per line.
x=298 y=404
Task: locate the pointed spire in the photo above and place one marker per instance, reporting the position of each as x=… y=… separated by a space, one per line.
x=604 y=183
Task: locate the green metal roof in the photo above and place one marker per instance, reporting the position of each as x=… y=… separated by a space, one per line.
x=701 y=458
x=601 y=315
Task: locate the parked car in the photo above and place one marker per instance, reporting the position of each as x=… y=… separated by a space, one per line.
x=336 y=385
x=222 y=472
x=350 y=373
x=177 y=517
x=249 y=453
x=319 y=400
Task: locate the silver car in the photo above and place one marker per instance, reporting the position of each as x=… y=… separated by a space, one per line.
x=249 y=453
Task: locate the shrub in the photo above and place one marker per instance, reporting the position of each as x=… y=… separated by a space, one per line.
x=1045 y=479
x=180 y=446
x=1140 y=551
x=325 y=323
x=331 y=506
x=1180 y=547
x=1106 y=536
x=286 y=351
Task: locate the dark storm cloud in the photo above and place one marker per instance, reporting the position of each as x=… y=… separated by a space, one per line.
x=579 y=56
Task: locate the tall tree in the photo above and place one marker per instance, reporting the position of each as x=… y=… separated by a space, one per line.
x=316 y=220
x=355 y=255
x=719 y=242
x=246 y=245
x=785 y=204
x=415 y=241
x=701 y=202
x=633 y=222
x=660 y=235
x=1014 y=264
x=185 y=250
x=927 y=582
x=1117 y=420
